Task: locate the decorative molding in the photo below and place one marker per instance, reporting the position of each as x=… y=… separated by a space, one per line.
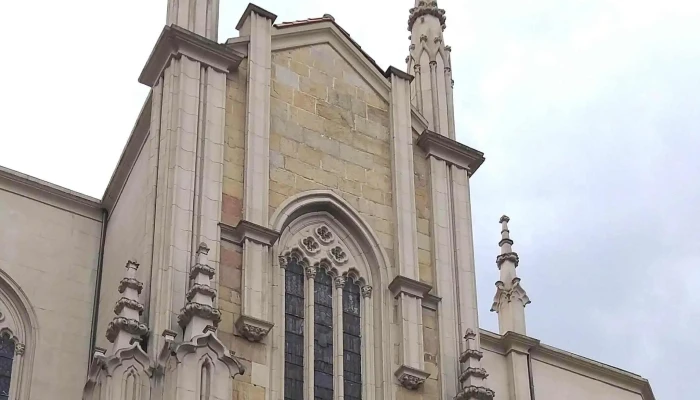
x=248 y=230
x=471 y=353
x=175 y=41
x=212 y=342
x=451 y=151
x=324 y=234
x=202 y=269
x=310 y=272
x=253 y=329
x=339 y=282
x=476 y=372
x=20 y=348
x=426 y=8
x=203 y=289
x=411 y=287
x=512 y=256
x=128 y=303
x=431 y=301
x=410 y=378
x=338 y=255
x=366 y=291
x=503 y=295
x=204 y=311
x=252 y=8
x=130 y=283
x=310 y=245
x=520 y=343
x=470 y=334
x=475 y=393
x=128 y=325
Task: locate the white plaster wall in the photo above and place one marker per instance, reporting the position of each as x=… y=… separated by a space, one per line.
x=555 y=383
x=129 y=236
x=51 y=253
x=495 y=365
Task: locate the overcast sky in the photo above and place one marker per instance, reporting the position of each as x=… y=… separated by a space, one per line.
x=587 y=110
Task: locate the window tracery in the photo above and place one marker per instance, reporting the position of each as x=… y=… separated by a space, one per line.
x=321 y=282
x=7 y=355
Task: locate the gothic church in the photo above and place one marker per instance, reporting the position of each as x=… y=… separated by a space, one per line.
x=288 y=220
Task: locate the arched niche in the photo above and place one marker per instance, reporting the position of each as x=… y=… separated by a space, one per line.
x=18 y=322
x=303 y=221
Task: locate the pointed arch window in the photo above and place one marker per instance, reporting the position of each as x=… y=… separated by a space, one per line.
x=324 y=300
x=7 y=355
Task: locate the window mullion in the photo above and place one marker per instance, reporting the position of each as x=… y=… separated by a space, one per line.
x=309 y=333
x=338 y=334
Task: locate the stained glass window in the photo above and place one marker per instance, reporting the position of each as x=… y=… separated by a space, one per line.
x=7 y=354
x=294 y=331
x=323 y=336
x=352 y=342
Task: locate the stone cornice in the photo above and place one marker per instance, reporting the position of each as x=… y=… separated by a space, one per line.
x=130 y=154
x=395 y=71
x=175 y=41
x=248 y=230
x=48 y=193
x=431 y=301
x=252 y=8
x=450 y=150
x=519 y=343
x=411 y=287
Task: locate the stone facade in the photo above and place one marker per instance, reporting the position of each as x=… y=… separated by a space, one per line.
x=255 y=167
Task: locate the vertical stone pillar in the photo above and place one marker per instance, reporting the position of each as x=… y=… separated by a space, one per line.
x=405 y=287
x=338 y=370
x=198 y=16
x=188 y=78
x=309 y=332
x=517 y=349
x=254 y=322
x=367 y=319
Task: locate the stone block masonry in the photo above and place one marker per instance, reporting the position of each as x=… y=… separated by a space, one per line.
x=330 y=130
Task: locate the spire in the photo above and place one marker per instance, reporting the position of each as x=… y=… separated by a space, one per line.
x=473 y=376
x=430 y=62
x=198 y=16
x=126 y=328
x=199 y=315
x=510 y=299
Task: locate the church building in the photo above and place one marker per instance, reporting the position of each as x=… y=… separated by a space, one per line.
x=288 y=221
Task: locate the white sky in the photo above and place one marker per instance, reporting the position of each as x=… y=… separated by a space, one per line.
x=587 y=111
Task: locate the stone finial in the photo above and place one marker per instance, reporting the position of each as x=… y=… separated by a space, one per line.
x=199 y=312
x=126 y=327
x=425 y=8
x=506 y=243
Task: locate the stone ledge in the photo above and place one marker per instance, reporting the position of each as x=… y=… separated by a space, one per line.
x=519 y=343
x=248 y=230
x=175 y=41
x=450 y=150
x=431 y=301
x=252 y=328
x=395 y=71
x=411 y=287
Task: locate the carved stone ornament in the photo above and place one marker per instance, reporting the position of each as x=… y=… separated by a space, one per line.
x=324 y=234
x=203 y=289
x=310 y=245
x=426 y=8
x=504 y=296
x=19 y=349
x=366 y=291
x=310 y=272
x=253 y=329
x=128 y=303
x=476 y=372
x=282 y=261
x=339 y=282
x=130 y=283
x=128 y=325
x=197 y=309
x=470 y=334
x=475 y=393
x=338 y=255
x=470 y=353
x=512 y=257
x=202 y=269
x=410 y=378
